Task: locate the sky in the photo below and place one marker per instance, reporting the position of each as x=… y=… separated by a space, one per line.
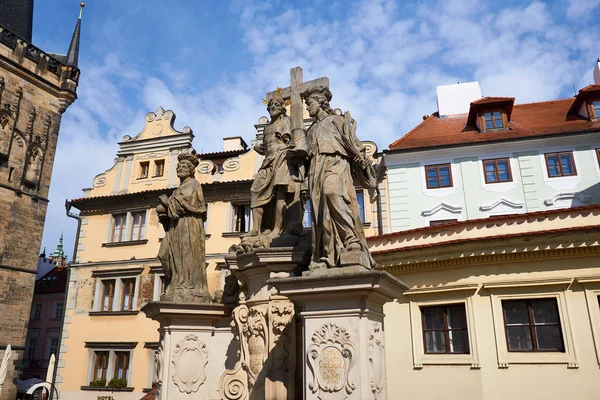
x=212 y=62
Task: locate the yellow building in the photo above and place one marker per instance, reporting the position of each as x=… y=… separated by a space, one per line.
x=505 y=307
x=108 y=345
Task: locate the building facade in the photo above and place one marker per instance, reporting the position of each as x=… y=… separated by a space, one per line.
x=108 y=346
x=36 y=88
x=496 y=158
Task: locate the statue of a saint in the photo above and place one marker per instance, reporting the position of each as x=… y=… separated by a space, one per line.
x=182 y=249
x=272 y=186
x=336 y=156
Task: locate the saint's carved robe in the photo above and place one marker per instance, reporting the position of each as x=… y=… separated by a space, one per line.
x=336 y=224
x=182 y=249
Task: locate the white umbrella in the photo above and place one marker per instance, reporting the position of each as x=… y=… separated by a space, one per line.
x=50 y=372
x=4 y=366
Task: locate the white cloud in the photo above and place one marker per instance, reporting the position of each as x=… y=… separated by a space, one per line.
x=384 y=60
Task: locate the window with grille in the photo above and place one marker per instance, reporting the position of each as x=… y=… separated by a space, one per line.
x=497 y=170
x=596 y=108
x=445 y=329
x=108 y=294
x=493 y=120
x=36 y=311
x=138 y=230
x=560 y=164
x=118 y=227
x=159 y=168
x=532 y=325
x=144 y=169
x=100 y=366
x=58 y=310
x=127 y=294
x=438 y=176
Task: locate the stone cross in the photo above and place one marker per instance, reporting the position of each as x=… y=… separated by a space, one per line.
x=293 y=92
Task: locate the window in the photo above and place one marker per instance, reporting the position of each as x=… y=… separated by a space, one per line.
x=100 y=365
x=144 y=168
x=445 y=329
x=532 y=325
x=108 y=294
x=159 y=167
x=118 y=227
x=596 y=108
x=58 y=310
x=360 y=198
x=241 y=218
x=441 y=222
x=116 y=294
x=560 y=164
x=53 y=343
x=109 y=364
x=31 y=348
x=438 y=176
x=127 y=294
x=493 y=120
x=121 y=365
x=36 y=311
x=139 y=225
x=497 y=170
x=160 y=282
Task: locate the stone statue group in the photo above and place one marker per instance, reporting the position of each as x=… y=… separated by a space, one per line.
x=318 y=166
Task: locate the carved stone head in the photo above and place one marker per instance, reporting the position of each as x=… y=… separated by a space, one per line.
x=276 y=107
x=317 y=98
x=187 y=165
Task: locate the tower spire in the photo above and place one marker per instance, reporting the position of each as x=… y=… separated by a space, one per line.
x=73 y=53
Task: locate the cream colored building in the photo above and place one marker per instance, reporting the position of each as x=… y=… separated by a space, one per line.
x=116 y=272
x=505 y=307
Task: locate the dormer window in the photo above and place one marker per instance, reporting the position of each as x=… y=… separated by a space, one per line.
x=587 y=103
x=493 y=120
x=490 y=114
x=596 y=109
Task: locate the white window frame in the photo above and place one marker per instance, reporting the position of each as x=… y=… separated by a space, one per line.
x=55 y=309
x=127 y=230
x=51 y=334
x=591 y=285
x=34 y=311
x=441 y=296
x=116 y=305
x=110 y=368
x=525 y=290
x=32 y=334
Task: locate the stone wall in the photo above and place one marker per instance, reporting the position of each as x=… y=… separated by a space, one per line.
x=34 y=93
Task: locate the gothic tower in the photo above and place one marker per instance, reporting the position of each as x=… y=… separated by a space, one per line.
x=36 y=87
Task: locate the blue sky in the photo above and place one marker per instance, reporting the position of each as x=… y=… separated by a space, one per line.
x=212 y=62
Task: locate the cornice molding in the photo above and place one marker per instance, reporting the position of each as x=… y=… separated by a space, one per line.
x=485 y=259
x=442 y=206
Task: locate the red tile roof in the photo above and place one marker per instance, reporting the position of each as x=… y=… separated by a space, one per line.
x=527 y=121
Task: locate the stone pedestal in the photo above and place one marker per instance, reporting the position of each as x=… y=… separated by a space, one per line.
x=196 y=344
x=264 y=326
x=343 y=330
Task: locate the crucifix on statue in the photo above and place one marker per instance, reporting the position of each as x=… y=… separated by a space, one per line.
x=297 y=86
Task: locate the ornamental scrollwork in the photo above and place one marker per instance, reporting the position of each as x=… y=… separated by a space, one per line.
x=377 y=362
x=232 y=164
x=331 y=361
x=189 y=360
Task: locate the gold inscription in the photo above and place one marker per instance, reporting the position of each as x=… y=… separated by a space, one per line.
x=331 y=366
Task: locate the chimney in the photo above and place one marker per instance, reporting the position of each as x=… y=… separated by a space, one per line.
x=597 y=72
x=234 y=143
x=456 y=99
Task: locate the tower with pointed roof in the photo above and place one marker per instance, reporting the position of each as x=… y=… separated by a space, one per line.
x=36 y=88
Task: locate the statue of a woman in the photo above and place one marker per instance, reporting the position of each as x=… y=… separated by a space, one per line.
x=182 y=249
